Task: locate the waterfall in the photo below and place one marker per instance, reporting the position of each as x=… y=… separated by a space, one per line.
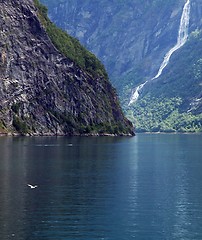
x=136 y=92
x=181 y=40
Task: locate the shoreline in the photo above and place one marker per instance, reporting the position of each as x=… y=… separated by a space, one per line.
x=194 y=133
x=65 y=135
x=97 y=134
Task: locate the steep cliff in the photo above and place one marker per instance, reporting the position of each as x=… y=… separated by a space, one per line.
x=132 y=39
x=44 y=91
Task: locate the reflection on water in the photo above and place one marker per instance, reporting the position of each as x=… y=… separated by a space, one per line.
x=146 y=187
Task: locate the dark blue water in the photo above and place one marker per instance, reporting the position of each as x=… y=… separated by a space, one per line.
x=147 y=188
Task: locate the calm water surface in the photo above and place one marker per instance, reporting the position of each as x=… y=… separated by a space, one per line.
x=148 y=187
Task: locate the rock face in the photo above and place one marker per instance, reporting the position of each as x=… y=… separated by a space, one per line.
x=132 y=38
x=42 y=92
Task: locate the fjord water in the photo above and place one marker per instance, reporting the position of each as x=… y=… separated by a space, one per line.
x=148 y=187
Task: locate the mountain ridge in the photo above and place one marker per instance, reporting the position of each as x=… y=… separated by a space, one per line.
x=132 y=38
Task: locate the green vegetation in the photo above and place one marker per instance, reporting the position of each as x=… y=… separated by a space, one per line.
x=70 y=46
x=163 y=115
x=15 y=108
x=104 y=128
x=2 y=127
x=20 y=125
x=78 y=125
x=19 y=122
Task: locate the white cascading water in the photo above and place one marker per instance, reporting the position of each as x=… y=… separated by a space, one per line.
x=181 y=40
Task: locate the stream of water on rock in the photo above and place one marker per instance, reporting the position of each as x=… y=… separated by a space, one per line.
x=181 y=40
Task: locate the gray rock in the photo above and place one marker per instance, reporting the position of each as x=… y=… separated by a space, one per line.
x=44 y=93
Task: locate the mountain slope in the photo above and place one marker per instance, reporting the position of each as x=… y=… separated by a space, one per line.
x=174 y=101
x=43 y=91
x=132 y=39
x=119 y=32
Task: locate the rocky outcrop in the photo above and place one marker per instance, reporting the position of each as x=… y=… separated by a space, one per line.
x=42 y=92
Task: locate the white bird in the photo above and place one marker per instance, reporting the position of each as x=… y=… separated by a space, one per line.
x=31 y=186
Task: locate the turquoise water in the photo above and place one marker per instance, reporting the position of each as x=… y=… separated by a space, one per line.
x=148 y=187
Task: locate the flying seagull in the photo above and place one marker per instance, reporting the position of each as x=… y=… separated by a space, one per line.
x=31 y=186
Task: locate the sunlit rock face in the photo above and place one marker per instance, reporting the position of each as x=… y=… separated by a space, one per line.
x=42 y=92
